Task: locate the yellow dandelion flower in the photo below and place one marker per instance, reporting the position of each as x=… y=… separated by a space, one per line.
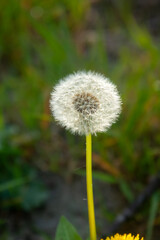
x=123 y=237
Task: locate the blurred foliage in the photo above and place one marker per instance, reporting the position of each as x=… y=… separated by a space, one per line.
x=19 y=183
x=42 y=41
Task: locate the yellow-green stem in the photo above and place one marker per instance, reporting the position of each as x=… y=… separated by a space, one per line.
x=91 y=214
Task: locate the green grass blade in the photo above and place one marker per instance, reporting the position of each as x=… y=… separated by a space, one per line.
x=152 y=214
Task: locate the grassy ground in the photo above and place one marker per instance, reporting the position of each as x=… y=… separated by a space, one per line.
x=41 y=42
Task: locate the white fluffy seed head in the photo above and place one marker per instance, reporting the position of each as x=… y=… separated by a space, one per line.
x=85 y=102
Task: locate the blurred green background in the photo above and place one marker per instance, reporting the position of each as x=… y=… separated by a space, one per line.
x=42 y=166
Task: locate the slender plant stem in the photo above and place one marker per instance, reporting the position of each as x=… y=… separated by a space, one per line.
x=91 y=214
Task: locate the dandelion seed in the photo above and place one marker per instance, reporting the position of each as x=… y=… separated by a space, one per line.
x=85 y=102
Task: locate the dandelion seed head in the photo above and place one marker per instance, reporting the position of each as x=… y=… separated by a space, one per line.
x=85 y=102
